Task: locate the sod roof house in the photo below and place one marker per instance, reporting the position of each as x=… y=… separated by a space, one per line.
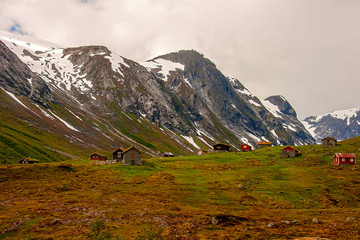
x=264 y=144
x=132 y=156
x=27 y=160
x=118 y=154
x=328 y=142
x=222 y=147
x=97 y=156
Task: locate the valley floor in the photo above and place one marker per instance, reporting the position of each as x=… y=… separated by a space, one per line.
x=255 y=195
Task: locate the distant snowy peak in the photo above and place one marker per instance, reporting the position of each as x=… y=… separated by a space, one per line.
x=347 y=115
x=341 y=124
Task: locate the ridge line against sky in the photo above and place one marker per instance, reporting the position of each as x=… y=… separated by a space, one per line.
x=308 y=51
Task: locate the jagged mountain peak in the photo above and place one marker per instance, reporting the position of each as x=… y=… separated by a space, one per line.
x=283 y=105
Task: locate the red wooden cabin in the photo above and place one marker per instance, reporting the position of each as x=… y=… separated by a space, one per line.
x=344 y=158
x=245 y=148
x=97 y=156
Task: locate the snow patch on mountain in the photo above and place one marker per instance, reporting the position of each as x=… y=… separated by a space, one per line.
x=116 y=60
x=64 y=122
x=310 y=128
x=18 y=101
x=165 y=67
x=273 y=109
x=191 y=141
x=254 y=103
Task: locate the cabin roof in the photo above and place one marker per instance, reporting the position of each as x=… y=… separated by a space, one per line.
x=96 y=153
x=117 y=150
x=265 y=143
x=129 y=148
x=345 y=155
x=289 y=148
x=328 y=138
x=222 y=144
x=29 y=159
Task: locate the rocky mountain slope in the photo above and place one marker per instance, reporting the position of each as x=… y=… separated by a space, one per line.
x=177 y=102
x=342 y=124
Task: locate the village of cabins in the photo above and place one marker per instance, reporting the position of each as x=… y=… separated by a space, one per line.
x=132 y=156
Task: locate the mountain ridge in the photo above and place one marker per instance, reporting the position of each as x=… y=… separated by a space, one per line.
x=165 y=104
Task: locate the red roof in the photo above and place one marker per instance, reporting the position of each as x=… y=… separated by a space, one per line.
x=288 y=148
x=345 y=155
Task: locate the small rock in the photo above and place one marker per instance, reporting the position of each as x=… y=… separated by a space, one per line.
x=286 y=222
x=315 y=220
x=241 y=186
x=350 y=219
x=270 y=225
x=295 y=222
x=226 y=220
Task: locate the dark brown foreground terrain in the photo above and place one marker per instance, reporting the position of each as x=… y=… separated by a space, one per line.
x=255 y=195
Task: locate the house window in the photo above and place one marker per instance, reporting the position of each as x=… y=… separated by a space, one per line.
x=132 y=155
x=119 y=154
x=351 y=160
x=343 y=159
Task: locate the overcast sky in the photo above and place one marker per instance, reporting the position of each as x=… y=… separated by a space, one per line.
x=306 y=50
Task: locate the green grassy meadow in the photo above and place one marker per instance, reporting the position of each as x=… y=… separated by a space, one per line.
x=176 y=198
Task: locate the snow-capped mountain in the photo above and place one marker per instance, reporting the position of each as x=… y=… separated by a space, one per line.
x=342 y=124
x=177 y=102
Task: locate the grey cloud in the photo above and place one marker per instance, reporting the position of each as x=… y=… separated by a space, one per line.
x=303 y=49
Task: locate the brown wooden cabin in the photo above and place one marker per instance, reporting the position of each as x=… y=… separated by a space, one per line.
x=97 y=157
x=328 y=142
x=222 y=147
x=118 y=154
x=27 y=160
x=245 y=148
x=344 y=158
x=264 y=144
x=132 y=156
x=289 y=152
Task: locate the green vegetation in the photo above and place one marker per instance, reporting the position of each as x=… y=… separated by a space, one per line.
x=183 y=196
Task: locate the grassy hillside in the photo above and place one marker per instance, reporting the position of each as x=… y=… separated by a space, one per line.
x=254 y=195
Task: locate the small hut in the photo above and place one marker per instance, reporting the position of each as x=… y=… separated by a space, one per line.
x=167 y=154
x=264 y=144
x=328 y=142
x=97 y=156
x=132 y=156
x=289 y=152
x=118 y=154
x=222 y=147
x=27 y=160
x=344 y=158
x=245 y=148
